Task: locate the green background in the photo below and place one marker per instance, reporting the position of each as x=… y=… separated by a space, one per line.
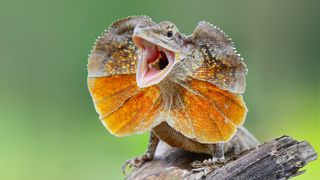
x=48 y=126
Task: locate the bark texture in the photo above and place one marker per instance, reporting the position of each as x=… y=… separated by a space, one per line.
x=280 y=158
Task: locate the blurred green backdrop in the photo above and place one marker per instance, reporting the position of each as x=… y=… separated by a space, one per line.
x=49 y=128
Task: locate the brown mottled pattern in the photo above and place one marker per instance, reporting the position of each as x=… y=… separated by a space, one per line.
x=123 y=107
x=200 y=98
x=114 y=52
x=215 y=59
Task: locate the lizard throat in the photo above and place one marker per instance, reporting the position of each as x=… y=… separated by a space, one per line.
x=154 y=63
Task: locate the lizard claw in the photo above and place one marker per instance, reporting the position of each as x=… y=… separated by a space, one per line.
x=136 y=162
x=210 y=163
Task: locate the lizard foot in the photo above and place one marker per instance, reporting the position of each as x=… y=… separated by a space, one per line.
x=136 y=162
x=208 y=164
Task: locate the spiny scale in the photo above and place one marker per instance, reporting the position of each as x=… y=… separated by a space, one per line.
x=200 y=98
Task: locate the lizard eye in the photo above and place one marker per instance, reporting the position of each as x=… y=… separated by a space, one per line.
x=169 y=34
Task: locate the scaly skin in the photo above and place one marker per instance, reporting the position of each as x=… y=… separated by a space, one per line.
x=185 y=90
x=240 y=142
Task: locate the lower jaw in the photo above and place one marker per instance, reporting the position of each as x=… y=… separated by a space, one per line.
x=148 y=77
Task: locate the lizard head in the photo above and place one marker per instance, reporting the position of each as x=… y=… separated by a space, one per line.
x=159 y=44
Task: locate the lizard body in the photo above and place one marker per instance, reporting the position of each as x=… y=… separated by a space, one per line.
x=185 y=90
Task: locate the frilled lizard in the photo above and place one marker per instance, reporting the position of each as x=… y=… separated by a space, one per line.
x=185 y=90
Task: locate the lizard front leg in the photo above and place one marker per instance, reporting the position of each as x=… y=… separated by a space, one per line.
x=217 y=153
x=148 y=156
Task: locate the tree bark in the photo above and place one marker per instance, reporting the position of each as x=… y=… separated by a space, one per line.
x=280 y=158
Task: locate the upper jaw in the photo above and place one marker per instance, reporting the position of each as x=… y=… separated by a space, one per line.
x=154 y=63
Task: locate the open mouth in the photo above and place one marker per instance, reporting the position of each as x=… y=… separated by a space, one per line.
x=154 y=64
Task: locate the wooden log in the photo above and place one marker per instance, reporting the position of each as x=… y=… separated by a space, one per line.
x=280 y=158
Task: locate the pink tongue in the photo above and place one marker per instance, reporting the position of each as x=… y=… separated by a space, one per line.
x=151 y=54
